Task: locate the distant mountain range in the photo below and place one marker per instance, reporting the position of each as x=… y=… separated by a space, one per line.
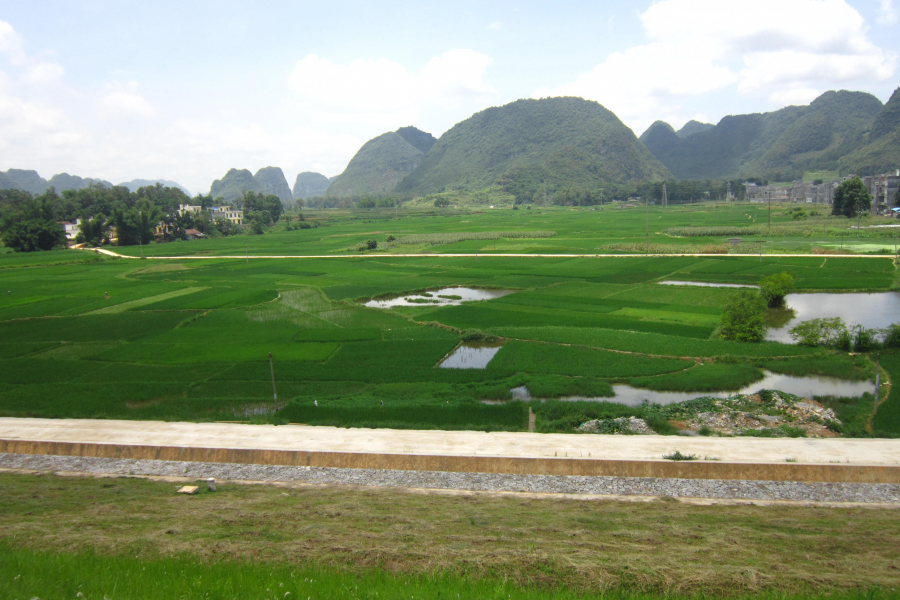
x=382 y=163
x=310 y=185
x=846 y=131
x=30 y=181
x=135 y=184
x=268 y=180
x=529 y=143
x=530 y=147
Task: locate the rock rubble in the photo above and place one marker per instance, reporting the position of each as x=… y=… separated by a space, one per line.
x=557 y=484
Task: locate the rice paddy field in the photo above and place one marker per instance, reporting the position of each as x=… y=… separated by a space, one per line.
x=88 y=336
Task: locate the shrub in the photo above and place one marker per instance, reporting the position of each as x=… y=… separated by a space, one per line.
x=892 y=336
x=775 y=287
x=371 y=244
x=865 y=340
x=677 y=455
x=391 y=238
x=831 y=333
x=743 y=318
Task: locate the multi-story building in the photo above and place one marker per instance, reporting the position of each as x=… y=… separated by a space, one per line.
x=884 y=191
x=216 y=212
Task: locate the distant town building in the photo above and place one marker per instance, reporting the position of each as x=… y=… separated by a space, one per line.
x=884 y=191
x=216 y=212
x=227 y=213
x=71 y=229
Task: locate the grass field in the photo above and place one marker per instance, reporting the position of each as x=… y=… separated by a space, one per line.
x=134 y=538
x=89 y=336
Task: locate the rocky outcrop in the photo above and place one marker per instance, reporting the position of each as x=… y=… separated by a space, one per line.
x=310 y=185
x=272 y=180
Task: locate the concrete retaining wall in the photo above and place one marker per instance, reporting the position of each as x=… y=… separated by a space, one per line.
x=834 y=473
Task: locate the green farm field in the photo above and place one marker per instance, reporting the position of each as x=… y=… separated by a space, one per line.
x=189 y=339
x=617 y=228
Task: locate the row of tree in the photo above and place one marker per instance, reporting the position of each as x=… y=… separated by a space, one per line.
x=32 y=223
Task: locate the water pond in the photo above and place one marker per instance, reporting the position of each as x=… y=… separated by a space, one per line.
x=449 y=296
x=869 y=310
x=704 y=284
x=806 y=387
x=470 y=356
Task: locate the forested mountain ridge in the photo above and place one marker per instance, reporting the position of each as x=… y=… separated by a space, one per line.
x=882 y=153
x=780 y=144
x=268 y=180
x=136 y=184
x=29 y=181
x=273 y=181
x=692 y=127
x=310 y=185
x=381 y=164
x=528 y=145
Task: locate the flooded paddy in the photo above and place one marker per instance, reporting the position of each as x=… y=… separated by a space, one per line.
x=449 y=296
x=705 y=284
x=869 y=310
x=805 y=387
x=470 y=356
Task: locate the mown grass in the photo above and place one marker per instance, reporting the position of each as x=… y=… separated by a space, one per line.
x=61 y=533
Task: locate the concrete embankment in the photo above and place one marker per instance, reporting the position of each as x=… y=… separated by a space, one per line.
x=841 y=470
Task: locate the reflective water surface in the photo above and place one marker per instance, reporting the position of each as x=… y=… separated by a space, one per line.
x=704 y=284
x=450 y=296
x=470 y=356
x=806 y=387
x=869 y=310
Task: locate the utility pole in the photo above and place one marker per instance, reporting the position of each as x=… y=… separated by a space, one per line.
x=141 y=232
x=647 y=205
x=769 y=194
x=272 y=371
x=665 y=196
x=877 y=379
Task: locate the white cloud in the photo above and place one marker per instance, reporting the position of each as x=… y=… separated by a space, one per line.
x=123 y=102
x=888 y=14
x=495 y=26
x=783 y=50
x=385 y=92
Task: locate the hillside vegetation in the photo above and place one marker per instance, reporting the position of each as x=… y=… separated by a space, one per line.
x=310 y=184
x=882 y=153
x=381 y=163
x=29 y=181
x=528 y=144
x=269 y=180
x=780 y=144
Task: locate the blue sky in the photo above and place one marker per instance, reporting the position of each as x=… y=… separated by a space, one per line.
x=185 y=90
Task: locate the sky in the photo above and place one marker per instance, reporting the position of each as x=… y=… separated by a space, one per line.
x=119 y=90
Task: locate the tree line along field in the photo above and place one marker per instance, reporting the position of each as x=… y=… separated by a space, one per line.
x=618 y=228
x=190 y=339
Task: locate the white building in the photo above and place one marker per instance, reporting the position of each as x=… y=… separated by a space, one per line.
x=216 y=212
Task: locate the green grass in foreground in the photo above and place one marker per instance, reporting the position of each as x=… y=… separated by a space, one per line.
x=91 y=576
x=59 y=533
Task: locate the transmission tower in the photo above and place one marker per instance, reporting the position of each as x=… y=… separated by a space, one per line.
x=665 y=196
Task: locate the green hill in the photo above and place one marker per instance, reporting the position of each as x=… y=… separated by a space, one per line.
x=888 y=119
x=135 y=184
x=692 y=127
x=531 y=143
x=20 y=179
x=310 y=185
x=882 y=153
x=64 y=181
x=380 y=164
x=273 y=182
x=234 y=184
x=780 y=144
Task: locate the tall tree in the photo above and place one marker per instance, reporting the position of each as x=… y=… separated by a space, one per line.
x=851 y=198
